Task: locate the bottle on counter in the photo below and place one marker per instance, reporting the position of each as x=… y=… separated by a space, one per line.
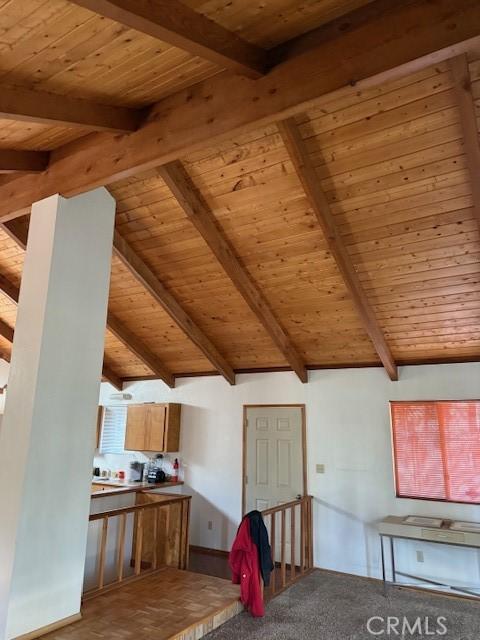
x=176 y=466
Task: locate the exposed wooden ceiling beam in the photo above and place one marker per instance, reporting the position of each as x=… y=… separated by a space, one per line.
x=12 y=292
x=112 y=377
x=14 y=161
x=17 y=229
x=307 y=174
x=407 y=39
x=198 y=212
x=174 y=23
x=6 y=331
x=9 y=289
x=27 y=105
x=468 y=121
x=334 y=29
x=149 y=280
x=122 y=333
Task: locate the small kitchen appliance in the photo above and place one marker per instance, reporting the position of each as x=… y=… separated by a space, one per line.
x=136 y=471
x=156 y=475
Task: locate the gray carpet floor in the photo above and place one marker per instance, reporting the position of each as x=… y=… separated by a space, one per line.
x=335 y=607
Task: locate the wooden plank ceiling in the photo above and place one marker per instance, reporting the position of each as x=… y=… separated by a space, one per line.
x=346 y=236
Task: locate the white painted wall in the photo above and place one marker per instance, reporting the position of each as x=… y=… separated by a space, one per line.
x=348 y=430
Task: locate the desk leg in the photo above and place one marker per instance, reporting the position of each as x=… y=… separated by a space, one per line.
x=392 y=553
x=383 y=567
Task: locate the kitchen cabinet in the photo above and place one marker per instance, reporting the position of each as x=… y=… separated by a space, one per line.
x=98 y=487
x=164 y=531
x=153 y=427
x=136 y=428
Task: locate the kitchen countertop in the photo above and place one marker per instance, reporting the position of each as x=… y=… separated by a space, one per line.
x=116 y=487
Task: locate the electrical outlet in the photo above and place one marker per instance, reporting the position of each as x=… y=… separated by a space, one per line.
x=420 y=557
x=210 y=525
x=320 y=468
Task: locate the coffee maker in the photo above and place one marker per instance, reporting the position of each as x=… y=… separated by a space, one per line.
x=155 y=473
x=136 y=471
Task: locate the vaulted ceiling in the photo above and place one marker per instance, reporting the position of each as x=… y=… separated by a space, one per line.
x=341 y=232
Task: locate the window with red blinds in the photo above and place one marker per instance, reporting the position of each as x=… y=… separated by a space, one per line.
x=436 y=448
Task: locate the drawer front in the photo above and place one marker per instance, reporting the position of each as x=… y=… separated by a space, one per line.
x=455 y=537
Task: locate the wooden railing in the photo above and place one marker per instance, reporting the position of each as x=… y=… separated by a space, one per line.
x=291 y=538
x=129 y=543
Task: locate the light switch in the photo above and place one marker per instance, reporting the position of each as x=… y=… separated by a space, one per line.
x=320 y=468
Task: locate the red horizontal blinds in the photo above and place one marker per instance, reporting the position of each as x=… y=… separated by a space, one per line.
x=459 y=424
x=437 y=450
x=418 y=459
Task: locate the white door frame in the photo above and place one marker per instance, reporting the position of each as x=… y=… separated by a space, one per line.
x=244 y=444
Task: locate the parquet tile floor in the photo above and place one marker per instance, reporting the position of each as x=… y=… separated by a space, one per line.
x=170 y=605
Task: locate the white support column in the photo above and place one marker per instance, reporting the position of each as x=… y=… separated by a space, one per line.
x=48 y=429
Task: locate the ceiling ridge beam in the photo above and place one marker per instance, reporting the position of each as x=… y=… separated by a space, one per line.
x=130 y=340
x=468 y=122
x=176 y=24
x=407 y=39
x=199 y=213
x=27 y=105
x=142 y=272
x=317 y=199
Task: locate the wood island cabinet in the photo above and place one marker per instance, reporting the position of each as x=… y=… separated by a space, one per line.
x=97 y=487
x=153 y=427
x=164 y=531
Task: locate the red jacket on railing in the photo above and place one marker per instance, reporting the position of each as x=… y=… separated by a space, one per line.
x=243 y=561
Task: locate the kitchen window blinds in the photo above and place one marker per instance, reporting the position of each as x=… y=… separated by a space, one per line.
x=113 y=429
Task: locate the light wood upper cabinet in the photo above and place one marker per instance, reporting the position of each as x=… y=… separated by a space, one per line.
x=155 y=435
x=153 y=427
x=136 y=428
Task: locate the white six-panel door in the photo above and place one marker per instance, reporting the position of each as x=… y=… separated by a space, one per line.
x=274 y=458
